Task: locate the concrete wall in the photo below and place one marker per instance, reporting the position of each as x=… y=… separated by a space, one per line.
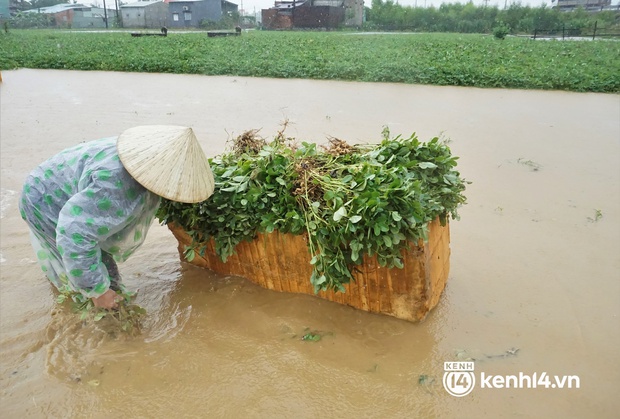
x=87 y=17
x=93 y=18
x=353 y=13
x=4 y=9
x=353 y=10
x=152 y=16
x=318 y=17
x=272 y=19
x=64 y=19
x=196 y=12
x=316 y=14
x=157 y=15
x=133 y=17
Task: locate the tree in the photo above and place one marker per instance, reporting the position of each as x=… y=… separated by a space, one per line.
x=19 y=5
x=469 y=18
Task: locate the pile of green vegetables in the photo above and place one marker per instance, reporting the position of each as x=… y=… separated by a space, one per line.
x=373 y=199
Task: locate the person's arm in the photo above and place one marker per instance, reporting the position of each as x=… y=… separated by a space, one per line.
x=86 y=220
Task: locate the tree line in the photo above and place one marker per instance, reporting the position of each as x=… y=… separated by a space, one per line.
x=469 y=18
x=449 y=17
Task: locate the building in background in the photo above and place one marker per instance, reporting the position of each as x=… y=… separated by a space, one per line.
x=77 y=16
x=568 y=5
x=191 y=13
x=229 y=7
x=145 y=14
x=328 y=14
x=4 y=10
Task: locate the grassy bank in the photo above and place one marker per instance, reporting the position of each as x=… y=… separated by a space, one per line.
x=438 y=59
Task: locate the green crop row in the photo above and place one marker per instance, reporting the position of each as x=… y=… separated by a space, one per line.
x=436 y=59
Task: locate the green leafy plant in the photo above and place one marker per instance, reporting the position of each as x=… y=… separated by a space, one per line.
x=312 y=337
x=598 y=214
x=349 y=201
x=501 y=30
x=437 y=59
x=534 y=167
x=127 y=317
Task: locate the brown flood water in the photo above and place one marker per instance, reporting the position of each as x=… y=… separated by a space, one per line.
x=530 y=270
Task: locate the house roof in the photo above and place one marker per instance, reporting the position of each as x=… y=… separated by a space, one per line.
x=333 y=3
x=288 y=4
x=56 y=8
x=194 y=1
x=141 y=3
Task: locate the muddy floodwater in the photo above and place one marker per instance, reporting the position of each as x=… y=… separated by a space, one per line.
x=534 y=285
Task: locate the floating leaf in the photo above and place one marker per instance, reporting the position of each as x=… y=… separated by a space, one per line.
x=425 y=379
x=313 y=337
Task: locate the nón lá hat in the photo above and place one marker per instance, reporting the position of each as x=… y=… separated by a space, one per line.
x=168 y=161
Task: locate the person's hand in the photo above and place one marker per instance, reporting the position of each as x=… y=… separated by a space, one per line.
x=106 y=300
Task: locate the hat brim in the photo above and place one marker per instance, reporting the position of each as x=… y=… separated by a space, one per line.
x=168 y=161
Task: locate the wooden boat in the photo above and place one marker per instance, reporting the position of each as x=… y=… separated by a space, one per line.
x=281 y=262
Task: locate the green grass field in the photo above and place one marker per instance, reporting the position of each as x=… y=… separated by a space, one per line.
x=437 y=59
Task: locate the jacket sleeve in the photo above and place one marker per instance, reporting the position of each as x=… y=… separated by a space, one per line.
x=86 y=220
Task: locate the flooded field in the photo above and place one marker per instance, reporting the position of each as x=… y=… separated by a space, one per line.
x=534 y=284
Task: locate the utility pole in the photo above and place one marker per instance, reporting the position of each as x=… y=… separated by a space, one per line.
x=118 y=16
x=105 y=14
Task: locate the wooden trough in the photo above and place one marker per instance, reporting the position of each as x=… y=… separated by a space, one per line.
x=162 y=32
x=236 y=32
x=281 y=262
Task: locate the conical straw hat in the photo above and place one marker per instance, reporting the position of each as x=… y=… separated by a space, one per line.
x=168 y=161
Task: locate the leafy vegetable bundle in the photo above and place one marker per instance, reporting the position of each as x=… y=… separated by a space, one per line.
x=350 y=201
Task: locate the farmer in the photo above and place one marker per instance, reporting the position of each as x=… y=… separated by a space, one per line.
x=91 y=205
